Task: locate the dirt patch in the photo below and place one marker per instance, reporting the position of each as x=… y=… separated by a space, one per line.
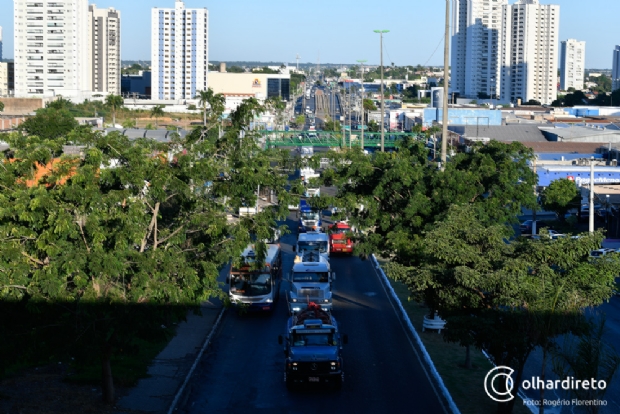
x=44 y=390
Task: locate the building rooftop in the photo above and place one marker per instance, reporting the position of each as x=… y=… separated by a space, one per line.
x=504 y=133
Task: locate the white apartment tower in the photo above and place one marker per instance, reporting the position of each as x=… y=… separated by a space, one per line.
x=52 y=49
x=530 y=52
x=476 y=58
x=105 y=34
x=615 y=70
x=572 y=64
x=179 y=52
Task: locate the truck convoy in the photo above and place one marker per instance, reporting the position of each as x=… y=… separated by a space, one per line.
x=309 y=218
x=258 y=289
x=313 y=348
x=310 y=281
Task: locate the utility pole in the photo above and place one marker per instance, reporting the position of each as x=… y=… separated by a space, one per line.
x=591 y=221
x=382 y=98
x=297 y=62
x=362 y=103
x=446 y=76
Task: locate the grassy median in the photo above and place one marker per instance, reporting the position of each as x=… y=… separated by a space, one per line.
x=465 y=385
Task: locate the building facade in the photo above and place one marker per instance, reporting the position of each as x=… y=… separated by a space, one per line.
x=179 y=52
x=530 y=52
x=7 y=78
x=52 y=48
x=615 y=70
x=239 y=86
x=572 y=64
x=476 y=57
x=105 y=32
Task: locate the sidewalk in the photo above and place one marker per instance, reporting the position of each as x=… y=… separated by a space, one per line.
x=169 y=370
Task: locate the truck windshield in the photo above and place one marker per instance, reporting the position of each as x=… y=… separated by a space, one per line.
x=309 y=215
x=307 y=246
x=300 y=339
x=317 y=277
x=251 y=284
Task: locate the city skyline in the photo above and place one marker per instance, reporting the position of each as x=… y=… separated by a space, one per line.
x=337 y=33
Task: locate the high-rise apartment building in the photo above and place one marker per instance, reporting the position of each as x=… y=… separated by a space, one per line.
x=105 y=32
x=476 y=58
x=572 y=61
x=615 y=70
x=179 y=52
x=52 y=49
x=530 y=52
x=7 y=78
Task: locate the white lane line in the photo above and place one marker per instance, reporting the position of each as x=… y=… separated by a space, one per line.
x=427 y=359
x=191 y=371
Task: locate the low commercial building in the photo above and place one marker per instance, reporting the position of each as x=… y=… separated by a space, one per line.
x=260 y=85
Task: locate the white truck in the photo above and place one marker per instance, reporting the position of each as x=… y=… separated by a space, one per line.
x=310 y=281
x=305 y=174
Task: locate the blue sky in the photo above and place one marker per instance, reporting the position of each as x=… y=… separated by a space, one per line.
x=339 y=31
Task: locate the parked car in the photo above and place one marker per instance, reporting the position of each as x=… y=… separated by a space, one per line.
x=602 y=252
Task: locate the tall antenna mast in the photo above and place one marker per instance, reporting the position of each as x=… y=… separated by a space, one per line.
x=297 y=62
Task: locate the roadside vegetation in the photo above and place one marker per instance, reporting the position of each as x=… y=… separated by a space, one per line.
x=103 y=253
x=449 y=240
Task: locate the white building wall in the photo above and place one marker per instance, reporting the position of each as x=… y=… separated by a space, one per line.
x=51 y=48
x=179 y=52
x=476 y=56
x=105 y=26
x=572 y=64
x=530 y=55
x=615 y=70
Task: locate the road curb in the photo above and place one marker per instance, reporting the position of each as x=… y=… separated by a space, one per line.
x=414 y=333
x=179 y=393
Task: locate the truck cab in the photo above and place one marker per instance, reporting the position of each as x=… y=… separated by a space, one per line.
x=313 y=348
x=310 y=279
x=306 y=174
x=339 y=242
x=309 y=219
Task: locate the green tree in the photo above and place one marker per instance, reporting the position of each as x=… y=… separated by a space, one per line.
x=114 y=102
x=332 y=125
x=157 y=111
x=474 y=279
x=214 y=101
x=235 y=69
x=114 y=251
x=300 y=121
x=129 y=123
x=560 y=196
x=59 y=103
x=50 y=124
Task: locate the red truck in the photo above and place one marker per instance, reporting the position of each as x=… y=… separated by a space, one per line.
x=338 y=240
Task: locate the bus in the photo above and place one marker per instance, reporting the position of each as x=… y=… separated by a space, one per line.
x=257 y=289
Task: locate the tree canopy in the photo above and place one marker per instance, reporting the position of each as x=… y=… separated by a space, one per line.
x=113 y=241
x=50 y=123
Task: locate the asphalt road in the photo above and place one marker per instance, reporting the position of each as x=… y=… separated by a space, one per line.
x=244 y=367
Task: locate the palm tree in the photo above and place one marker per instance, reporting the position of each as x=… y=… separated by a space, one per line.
x=115 y=102
x=214 y=101
x=156 y=112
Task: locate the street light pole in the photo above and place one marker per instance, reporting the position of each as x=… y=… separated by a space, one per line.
x=362 y=103
x=446 y=71
x=382 y=98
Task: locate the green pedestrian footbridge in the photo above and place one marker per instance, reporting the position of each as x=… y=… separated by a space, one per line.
x=332 y=139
